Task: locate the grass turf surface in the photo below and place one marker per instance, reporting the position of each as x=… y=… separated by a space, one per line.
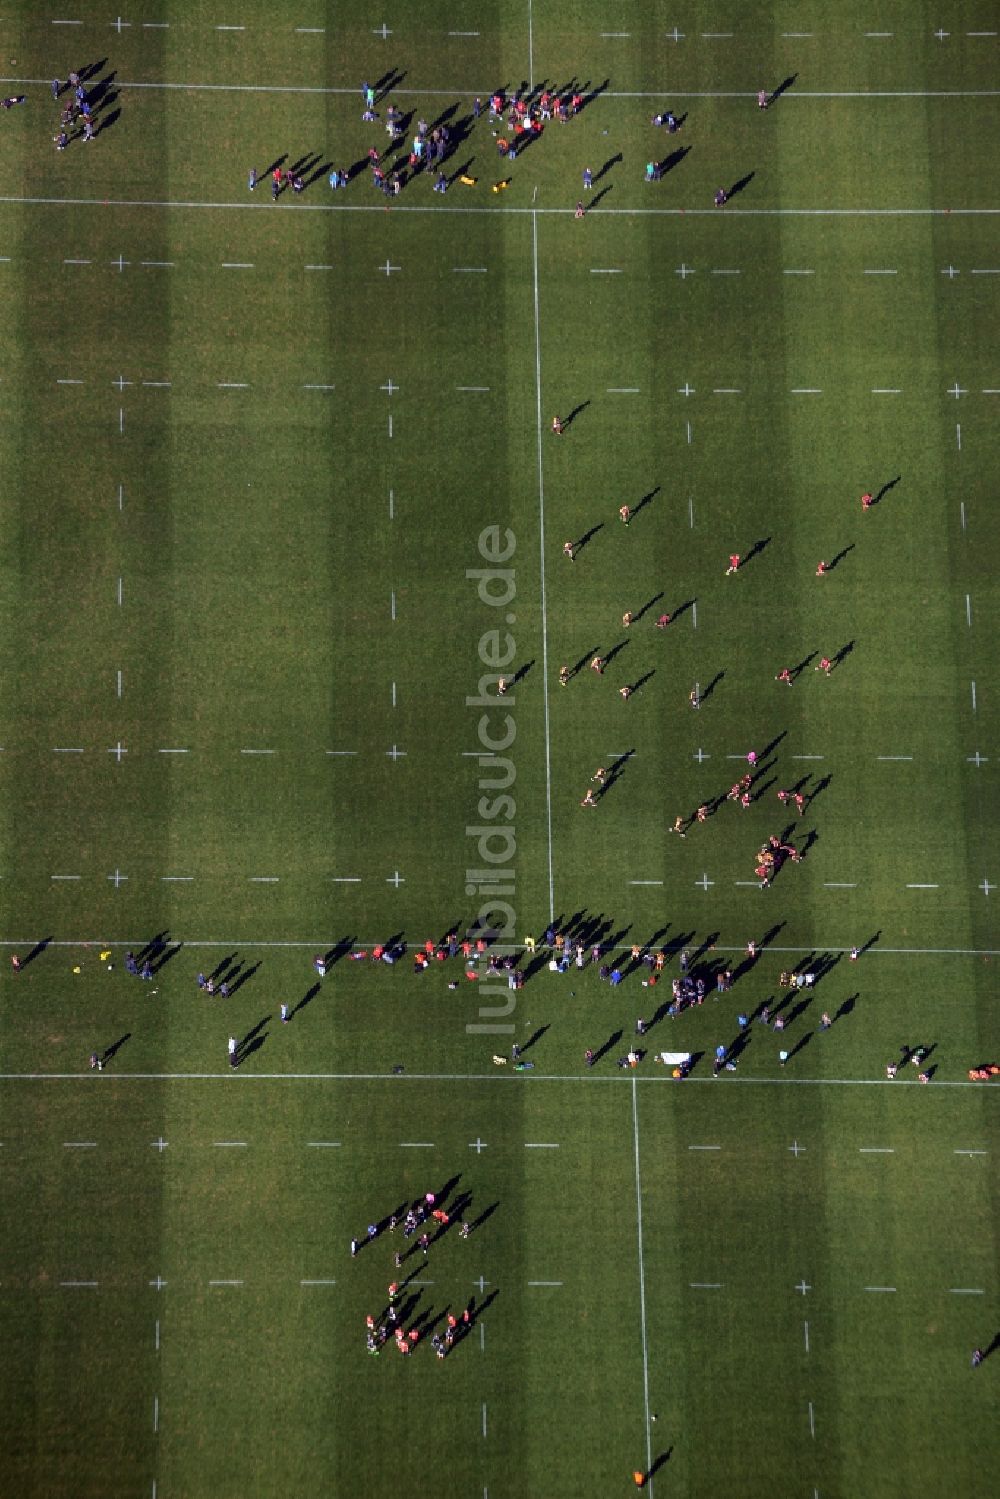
x=295 y=578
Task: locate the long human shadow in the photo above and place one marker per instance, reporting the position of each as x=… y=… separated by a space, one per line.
x=818 y=789
x=244 y=977
x=843 y=653
x=646 y=607
x=835 y=561
x=743 y=182
x=569 y=420
x=615 y=650
x=595 y=93
x=785 y=84
x=484 y=1216
x=588 y=536
x=521 y=673
x=611 y=161
x=532 y=1040
x=598 y=196
x=252 y=1041
x=390 y=79
x=682 y=609
x=641 y=681
x=459 y=172
x=800 y=1045
x=806 y=661
x=674 y=160
x=609 y=1044
x=706 y=692
x=647 y=499
x=306 y=999
x=37 y=950
x=755 y=550
x=115 y=1047
x=877 y=499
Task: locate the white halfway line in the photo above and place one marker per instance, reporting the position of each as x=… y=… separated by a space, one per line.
x=704 y=1147
x=965 y=1291
x=876 y=1150
x=551 y=1145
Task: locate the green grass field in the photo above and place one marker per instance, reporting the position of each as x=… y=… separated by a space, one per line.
x=280 y=502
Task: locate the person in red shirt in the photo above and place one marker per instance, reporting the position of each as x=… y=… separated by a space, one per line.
x=624 y=514
x=821 y=569
x=800 y=802
x=825 y=666
x=784 y=676
x=734 y=563
x=866 y=502
x=663 y=621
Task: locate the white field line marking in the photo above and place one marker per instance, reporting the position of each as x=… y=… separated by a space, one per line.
x=704 y=1147
x=961 y=507
x=392 y=604
x=317 y=1282
x=597 y=270
x=973 y=697
x=78 y=262
x=230 y=1144
x=806 y=1326
x=173 y=752
x=886 y=390
x=323 y=1144
x=345 y=879
x=609 y=34
x=79 y=1145
x=484 y=1418
x=876 y=1150
x=232 y=385
x=237 y=265
x=90 y=1283
x=65 y=876
x=970 y=1152
x=390 y=423
x=691 y=511
x=880 y=33
x=727 y=390
x=230 y=28
x=806 y=390
x=481 y=1077
x=319 y=267
x=470 y=270
x=965 y=1291
x=798 y=273
x=541 y=546
x=689 y=433
x=726 y=273
x=157 y=1335
x=705 y=1285
x=416 y=1144
x=119 y=684
x=119 y=593
x=463 y=33
x=157 y=384
x=176 y=879
x=551 y=1145
x=157 y=264
x=121 y=419
x=319 y=387
x=474 y=388
x=838 y=885
x=394 y=694
x=62 y=750
x=804 y=757
x=156 y=1413
x=642 y=1277
x=923 y=887
x=645 y=882
x=258 y=752
x=311 y=30
x=958 y=435
x=880 y=1288
x=812 y=1422
x=544 y=1282
x=69 y=382
x=225 y=1282
x=881 y=273
x=893 y=757
x=623 y=390
x=264 y=879
x=339 y=754
x=694 y=620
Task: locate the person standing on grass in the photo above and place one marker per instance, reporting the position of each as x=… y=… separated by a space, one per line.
x=275 y=184
x=252 y=179
x=734 y=564
x=568 y=551
x=784 y=675
x=866 y=502
x=762 y=99
x=557 y=425
x=579 y=210
x=233 y=1051
x=624 y=515
x=678 y=826
x=822 y=569
x=825 y=666
x=284 y=1014
x=588 y=179
x=56 y=88
x=694 y=698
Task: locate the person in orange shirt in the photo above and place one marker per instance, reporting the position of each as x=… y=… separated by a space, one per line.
x=821 y=569
x=866 y=502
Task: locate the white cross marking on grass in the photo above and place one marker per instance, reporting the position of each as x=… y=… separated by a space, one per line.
x=478 y=1145
x=950 y=272
x=389 y=387
x=802 y=1287
x=986 y=887
x=121 y=263
x=796 y=1149
x=383 y=31
x=700 y=755
x=389 y=268
x=977 y=759
x=940 y=34
x=395 y=754
x=686 y=390
x=675 y=35
x=118 y=878
x=956 y=391
x=704 y=882
x=121 y=382
x=159 y=1145
x=158 y=1284
x=482 y=1284
x=118 y=750
x=396 y=879
x=119 y=23
x=684 y=271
